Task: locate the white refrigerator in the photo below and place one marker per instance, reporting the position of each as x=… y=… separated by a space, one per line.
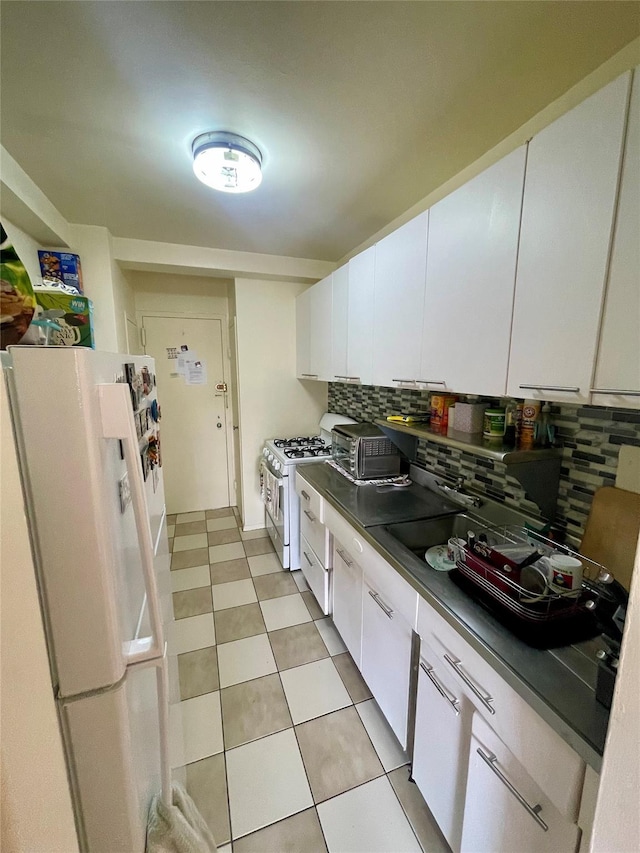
x=97 y=522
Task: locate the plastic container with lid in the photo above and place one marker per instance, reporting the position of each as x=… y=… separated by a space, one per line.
x=494 y=423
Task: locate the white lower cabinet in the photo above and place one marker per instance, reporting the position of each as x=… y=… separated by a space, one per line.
x=441 y=745
x=386 y=658
x=316 y=575
x=347 y=600
x=504 y=808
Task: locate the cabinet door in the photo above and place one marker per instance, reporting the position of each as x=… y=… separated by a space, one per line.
x=401 y=261
x=339 y=324
x=303 y=330
x=320 y=343
x=441 y=745
x=360 y=323
x=471 y=274
x=504 y=808
x=386 y=658
x=347 y=601
x=618 y=363
x=569 y=198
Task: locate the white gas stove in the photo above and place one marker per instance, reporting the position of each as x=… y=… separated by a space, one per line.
x=277 y=471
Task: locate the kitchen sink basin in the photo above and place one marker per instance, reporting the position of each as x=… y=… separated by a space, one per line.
x=419 y=536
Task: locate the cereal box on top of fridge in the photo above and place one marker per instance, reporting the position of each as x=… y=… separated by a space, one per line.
x=61 y=270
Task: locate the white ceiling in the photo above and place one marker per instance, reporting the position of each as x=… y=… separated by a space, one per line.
x=360 y=108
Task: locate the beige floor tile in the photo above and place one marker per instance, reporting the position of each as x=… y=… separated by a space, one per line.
x=274 y=585
x=417 y=812
x=337 y=753
x=188 y=543
x=299 y=578
x=222 y=553
x=254 y=547
x=330 y=637
x=297 y=645
x=196 y=632
x=226 y=848
x=198 y=672
x=350 y=674
x=195 y=729
x=254 y=534
x=223 y=537
x=312 y=605
x=171 y=519
x=284 y=612
x=171 y=530
x=190 y=528
x=206 y=783
x=196 y=576
x=236 y=623
x=300 y=833
x=253 y=709
x=230 y=570
x=243 y=660
x=188 y=559
x=224 y=512
x=233 y=594
x=314 y=689
x=368 y=819
x=186 y=517
x=226 y=523
x=192 y=602
x=386 y=744
x=266 y=782
x=264 y=564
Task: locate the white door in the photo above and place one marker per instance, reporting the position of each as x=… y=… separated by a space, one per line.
x=303 y=335
x=339 y=323
x=320 y=314
x=360 y=318
x=347 y=600
x=194 y=417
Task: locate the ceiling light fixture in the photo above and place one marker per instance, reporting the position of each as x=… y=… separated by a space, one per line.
x=227 y=162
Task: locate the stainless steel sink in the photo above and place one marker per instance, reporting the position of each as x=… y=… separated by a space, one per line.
x=419 y=536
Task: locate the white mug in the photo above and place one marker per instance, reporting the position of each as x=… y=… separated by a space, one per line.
x=564 y=572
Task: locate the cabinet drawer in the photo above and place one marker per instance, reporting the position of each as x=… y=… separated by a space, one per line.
x=317 y=536
x=392 y=587
x=508 y=714
x=347 y=600
x=310 y=499
x=316 y=576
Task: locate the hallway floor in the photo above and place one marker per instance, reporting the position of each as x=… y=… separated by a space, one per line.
x=276 y=736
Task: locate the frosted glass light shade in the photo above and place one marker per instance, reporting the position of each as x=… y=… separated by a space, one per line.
x=227 y=162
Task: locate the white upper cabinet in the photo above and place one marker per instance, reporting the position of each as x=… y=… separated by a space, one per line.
x=340 y=323
x=400 y=268
x=618 y=362
x=471 y=273
x=570 y=191
x=360 y=333
x=303 y=335
x=320 y=337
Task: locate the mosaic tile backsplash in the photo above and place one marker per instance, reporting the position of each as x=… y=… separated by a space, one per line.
x=590 y=437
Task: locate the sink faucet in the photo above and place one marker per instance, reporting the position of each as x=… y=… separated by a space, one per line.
x=456 y=494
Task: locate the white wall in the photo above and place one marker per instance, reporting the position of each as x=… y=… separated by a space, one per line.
x=272 y=401
x=36 y=811
x=179 y=294
x=124 y=305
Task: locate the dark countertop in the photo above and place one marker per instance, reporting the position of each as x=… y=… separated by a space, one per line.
x=562 y=699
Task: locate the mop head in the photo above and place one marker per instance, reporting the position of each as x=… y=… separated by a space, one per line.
x=177 y=828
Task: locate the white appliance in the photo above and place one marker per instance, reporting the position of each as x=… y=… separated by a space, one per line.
x=98 y=531
x=277 y=474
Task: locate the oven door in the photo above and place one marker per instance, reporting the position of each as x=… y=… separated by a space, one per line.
x=277 y=512
x=343 y=451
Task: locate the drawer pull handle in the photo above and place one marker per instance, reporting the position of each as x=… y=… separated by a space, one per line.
x=310 y=516
x=388 y=611
x=405 y=381
x=309 y=375
x=428 y=671
x=486 y=700
x=431 y=382
x=635 y=393
x=305 y=495
x=309 y=560
x=492 y=762
x=569 y=389
x=344 y=557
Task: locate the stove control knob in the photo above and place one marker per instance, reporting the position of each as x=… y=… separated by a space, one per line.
x=270 y=457
x=265 y=452
x=276 y=465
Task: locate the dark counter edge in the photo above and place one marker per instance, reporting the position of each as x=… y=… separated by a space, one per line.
x=573 y=712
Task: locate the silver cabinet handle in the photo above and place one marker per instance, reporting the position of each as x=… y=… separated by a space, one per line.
x=388 y=611
x=344 y=557
x=335 y=376
x=405 y=381
x=310 y=375
x=310 y=516
x=305 y=495
x=486 y=700
x=309 y=560
x=566 y=388
x=428 y=671
x=430 y=382
x=615 y=391
x=492 y=762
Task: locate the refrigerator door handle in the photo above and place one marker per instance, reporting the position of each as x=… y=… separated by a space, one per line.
x=117 y=422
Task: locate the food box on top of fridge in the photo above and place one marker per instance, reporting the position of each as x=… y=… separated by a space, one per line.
x=61 y=270
x=73 y=314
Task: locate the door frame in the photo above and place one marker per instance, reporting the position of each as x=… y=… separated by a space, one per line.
x=226 y=377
